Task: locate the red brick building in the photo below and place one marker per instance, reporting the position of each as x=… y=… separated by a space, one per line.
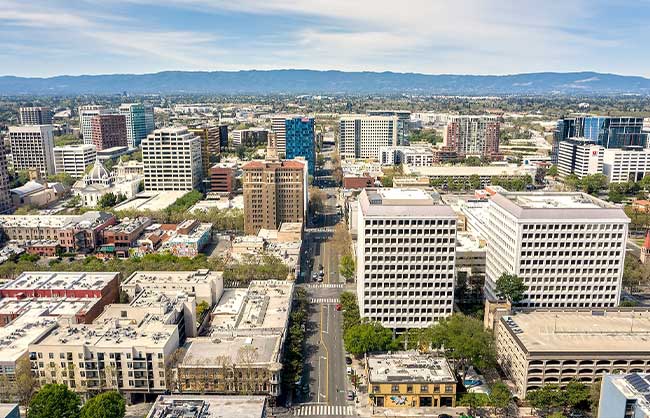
x=222 y=179
x=109 y=131
x=357 y=182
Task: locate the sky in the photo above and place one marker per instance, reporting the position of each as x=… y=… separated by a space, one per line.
x=40 y=38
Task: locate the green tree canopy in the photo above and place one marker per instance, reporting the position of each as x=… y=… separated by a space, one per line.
x=54 y=401
x=464 y=341
x=368 y=337
x=500 y=396
x=105 y=405
x=347 y=266
x=510 y=287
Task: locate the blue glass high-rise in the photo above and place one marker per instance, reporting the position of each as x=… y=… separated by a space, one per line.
x=300 y=140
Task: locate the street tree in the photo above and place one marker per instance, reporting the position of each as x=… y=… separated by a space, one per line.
x=464 y=341
x=105 y=405
x=368 y=337
x=347 y=267
x=510 y=287
x=547 y=399
x=500 y=396
x=341 y=241
x=25 y=384
x=552 y=171
x=54 y=401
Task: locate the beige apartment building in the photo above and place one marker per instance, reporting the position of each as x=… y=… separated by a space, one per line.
x=542 y=347
x=274 y=193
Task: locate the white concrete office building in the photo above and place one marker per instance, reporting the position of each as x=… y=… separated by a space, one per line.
x=579 y=156
x=568 y=248
x=32 y=148
x=625 y=395
x=362 y=136
x=406 y=250
x=171 y=158
x=621 y=165
x=74 y=159
x=35 y=116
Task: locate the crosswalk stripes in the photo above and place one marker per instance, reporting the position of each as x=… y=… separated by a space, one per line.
x=324 y=300
x=324 y=410
x=326 y=285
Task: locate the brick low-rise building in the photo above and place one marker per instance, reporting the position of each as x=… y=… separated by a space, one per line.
x=222 y=179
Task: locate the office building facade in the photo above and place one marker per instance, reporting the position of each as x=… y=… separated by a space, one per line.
x=274 y=193
x=74 y=159
x=35 y=116
x=568 y=248
x=108 y=131
x=406 y=249
x=625 y=395
x=32 y=148
x=362 y=136
x=86 y=114
x=300 y=140
x=210 y=146
x=579 y=156
x=5 y=195
x=473 y=135
x=403 y=122
x=139 y=122
x=543 y=347
x=172 y=160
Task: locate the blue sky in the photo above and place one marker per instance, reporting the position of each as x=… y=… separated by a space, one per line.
x=54 y=37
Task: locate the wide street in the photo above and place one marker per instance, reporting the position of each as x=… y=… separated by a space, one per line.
x=323 y=387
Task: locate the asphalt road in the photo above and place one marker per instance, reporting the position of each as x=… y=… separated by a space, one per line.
x=325 y=371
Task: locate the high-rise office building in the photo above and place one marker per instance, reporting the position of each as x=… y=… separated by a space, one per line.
x=74 y=159
x=35 y=116
x=361 y=136
x=139 y=122
x=210 y=146
x=274 y=192
x=406 y=250
x=109 y=131
x=32 y=148
x=251 y=137
x=606 y=131
x=86 y=114
x=5 y=195
x=473 y=135
x=579 y=156
x=300 y=140
x=279 y=128
x=172 y=160
x=223 y=137
x=567 y=247
x=403 y=122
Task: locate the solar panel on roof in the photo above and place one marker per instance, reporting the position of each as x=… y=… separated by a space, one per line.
x=637 y=382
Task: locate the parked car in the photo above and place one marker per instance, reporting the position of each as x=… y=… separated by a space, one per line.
x=350 y=395
x=348 y=360
x=339 y=306
x=349 y=371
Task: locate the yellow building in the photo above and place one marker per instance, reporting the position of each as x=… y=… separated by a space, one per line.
x=410 y=379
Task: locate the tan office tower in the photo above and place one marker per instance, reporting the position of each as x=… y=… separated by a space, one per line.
x=209 y=136
x=274 y=192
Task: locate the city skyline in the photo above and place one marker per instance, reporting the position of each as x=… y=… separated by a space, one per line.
x=468 y=37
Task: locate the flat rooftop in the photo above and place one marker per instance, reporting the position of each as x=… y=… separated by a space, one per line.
x=33 y=280
x=87 y=220
x=16 y=337
x=409 y=367
x=206 y=352
x=264 y=305
x=605 y=331
x=540 y=205
x=462 y=170
x=136 y=328
x=634 y=386
x=163 y=278
x=216 y=406
x=151 y=200
x=387 y=202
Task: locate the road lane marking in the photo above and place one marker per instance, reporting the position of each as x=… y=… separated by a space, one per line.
x=324 y=301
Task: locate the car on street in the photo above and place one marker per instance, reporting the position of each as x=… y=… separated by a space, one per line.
x=314 y=276
x=445 y=416
x=348 y=360
x=349 y=371
x=339 y=306
x=350 y=395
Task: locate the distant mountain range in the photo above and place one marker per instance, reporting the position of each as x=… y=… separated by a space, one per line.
x=327 y=82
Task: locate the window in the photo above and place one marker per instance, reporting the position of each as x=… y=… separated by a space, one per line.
x=424 y=388
x=375 y=389
x=449 y=388
x=409 y=388
x=394 y=388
